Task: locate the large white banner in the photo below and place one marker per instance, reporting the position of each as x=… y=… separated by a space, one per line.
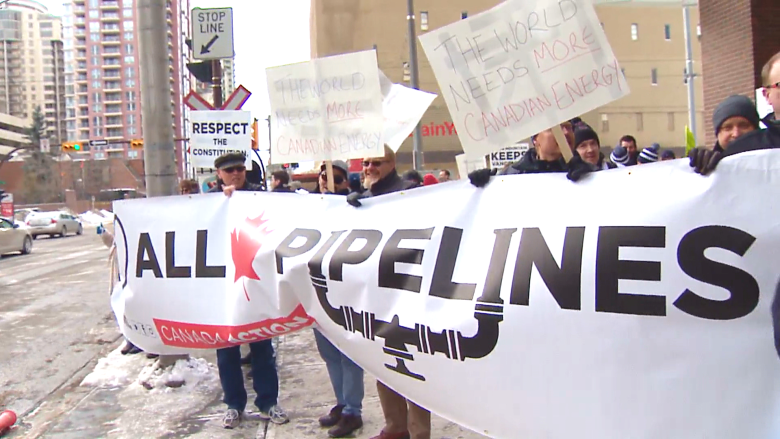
x=558 y=313
x=520 y=68
x=326 y=109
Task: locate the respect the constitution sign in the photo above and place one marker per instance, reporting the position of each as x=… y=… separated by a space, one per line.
x=213 y=133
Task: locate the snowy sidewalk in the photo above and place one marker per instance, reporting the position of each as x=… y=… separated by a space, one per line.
x=112 y=402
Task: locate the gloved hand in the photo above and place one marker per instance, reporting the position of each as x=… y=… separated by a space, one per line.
x=703 y=160
x=578 y=168
x=354 y=199
x=100 y=229
x=481 y=177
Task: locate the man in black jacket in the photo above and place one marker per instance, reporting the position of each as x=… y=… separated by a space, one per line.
x=265 y=379
x=340 y=178
x=280 y=182
x=381 y=178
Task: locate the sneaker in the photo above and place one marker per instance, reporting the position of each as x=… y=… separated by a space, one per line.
x=275 y=414
x=332 y=418
x=232 y=419
x=347 y=425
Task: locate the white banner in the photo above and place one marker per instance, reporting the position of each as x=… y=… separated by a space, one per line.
x=565 y=315
x=520 y=68
x=326 y=109
x=213 y=133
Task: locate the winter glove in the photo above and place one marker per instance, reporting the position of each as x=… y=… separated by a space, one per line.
x=703 y=160
x=578 y=168
x=354 y=199
x=481 y=177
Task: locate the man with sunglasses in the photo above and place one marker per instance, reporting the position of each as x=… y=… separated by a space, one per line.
x=231 y=173
x=340 y=178
x=380 y=178
x=770 y=76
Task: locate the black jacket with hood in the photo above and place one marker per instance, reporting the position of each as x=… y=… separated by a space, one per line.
x=531 y=164
x=392 y=182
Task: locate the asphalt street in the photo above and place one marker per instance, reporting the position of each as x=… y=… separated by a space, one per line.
x=55 y=317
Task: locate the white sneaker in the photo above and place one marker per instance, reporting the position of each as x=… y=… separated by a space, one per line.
x=275 y=414
x=232 y=419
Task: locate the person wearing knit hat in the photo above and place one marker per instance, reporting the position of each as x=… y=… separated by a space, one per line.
x=733 y=117
x=619 y=156
x=649 y=154
x=430 y=179
x=668 y=155
x=588 y=146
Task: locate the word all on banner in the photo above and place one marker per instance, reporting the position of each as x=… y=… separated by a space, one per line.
x=213 y=133
x=326 y=109
x=520 y=68
x=636 y=321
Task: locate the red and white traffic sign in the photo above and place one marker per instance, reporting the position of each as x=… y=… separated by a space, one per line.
x=234 y=102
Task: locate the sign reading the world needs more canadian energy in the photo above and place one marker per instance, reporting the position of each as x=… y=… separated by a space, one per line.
x=520 y=68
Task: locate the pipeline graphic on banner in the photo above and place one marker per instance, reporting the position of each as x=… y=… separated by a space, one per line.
x=565 y=308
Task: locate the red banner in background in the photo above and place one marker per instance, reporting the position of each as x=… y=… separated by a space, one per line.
x=7 y=206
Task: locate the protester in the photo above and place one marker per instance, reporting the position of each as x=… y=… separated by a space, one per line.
x=429 y=179
x=187 y=187
x=648 y=155
x=619 y=156
x=340 y=178
x=770 y=77
x=444 y=176
x=403 y=418
x=732 y=119
x=629 y=143
x=356 y=183
x=587 y=154
x=668 y=155
x=413 y=177
x=265 y=380
x=280 y=181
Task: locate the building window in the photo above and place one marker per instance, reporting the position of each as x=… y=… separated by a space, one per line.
x=667 y=32
x=128 y=36
x=604 y=123
x=97 y=108
x=97 y=121
x=407 y=72
x=424 y=20
x=96 y=84
x=130 y=96
x=130 y=83
x=96 y=73
x=96 y=97
x=98 y=132
x=130 y=72
x=131 y=130
x=128 y=25
x=127 y=13
x=131 y=106
x=94 y=37
x=93 y=13
x=94 y=26
x=464 y=15
x=634 y=31
x=128 y=49
x=654 y=76
x=131 y=119
x=670 y=121
x=640 y=123
x=129 y=59
x=95 y=61
x=96 y=50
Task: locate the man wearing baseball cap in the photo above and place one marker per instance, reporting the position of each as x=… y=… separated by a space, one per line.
x=340 y=178
x=231 y=177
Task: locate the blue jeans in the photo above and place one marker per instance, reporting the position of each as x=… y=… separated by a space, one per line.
x=346 y=377
x=265 y=380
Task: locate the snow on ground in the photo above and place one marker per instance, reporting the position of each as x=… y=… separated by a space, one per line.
x=97 y=217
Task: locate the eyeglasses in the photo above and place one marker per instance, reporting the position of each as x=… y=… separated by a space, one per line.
x=337 y=179
x=775 y=85
x=376 y=163
x=233 y=169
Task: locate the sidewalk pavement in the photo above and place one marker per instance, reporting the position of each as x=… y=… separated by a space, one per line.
x=117 y=405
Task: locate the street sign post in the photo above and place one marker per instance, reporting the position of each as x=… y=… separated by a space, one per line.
x=212 y=33
x=96 y=143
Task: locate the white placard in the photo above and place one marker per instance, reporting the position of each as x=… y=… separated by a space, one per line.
x=633 y=320
x=213 y=133
x=402 y=108
x=520 y=68
x=504 y=156
x=326 y=109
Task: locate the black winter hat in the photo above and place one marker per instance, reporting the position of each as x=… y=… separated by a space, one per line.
x=733 y=106
x=583 y=134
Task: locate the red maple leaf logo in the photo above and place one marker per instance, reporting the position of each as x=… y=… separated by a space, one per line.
x=245 y=242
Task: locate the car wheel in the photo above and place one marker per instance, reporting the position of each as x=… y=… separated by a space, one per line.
x=80 y=230
x=64 y=232
x=27 y=246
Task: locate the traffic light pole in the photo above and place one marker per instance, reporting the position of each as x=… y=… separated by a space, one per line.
x=216 y=80
x=159 y=148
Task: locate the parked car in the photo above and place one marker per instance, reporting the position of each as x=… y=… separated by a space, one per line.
x=14 y=238
x=53 y=223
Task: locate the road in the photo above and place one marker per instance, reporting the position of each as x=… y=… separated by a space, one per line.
x=54 y=316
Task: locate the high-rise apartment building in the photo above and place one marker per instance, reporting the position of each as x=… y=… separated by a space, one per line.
x=103 y=83
x=228 y=83
x=647 y=40
x=32 y=71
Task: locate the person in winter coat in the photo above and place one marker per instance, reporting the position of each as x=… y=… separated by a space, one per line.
x=413 y=177
x=381 y=178
x=587 y=155
x=429 y=179
x=770 y=78
x=341 y=184
x=648 y=155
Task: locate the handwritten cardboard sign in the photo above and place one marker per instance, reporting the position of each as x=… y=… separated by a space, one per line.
x=402 y=108
x=520 y=68
x=326 y=109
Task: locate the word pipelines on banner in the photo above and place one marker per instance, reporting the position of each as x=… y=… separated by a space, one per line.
x=562 y=95
x=343 y=143
x=334 y=112
x=302 y=89
x=548 y=56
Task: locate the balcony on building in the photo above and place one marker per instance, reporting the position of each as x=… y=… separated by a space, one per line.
x=109 y=4
x=111 y=40
x=113 y=110
x=112 y=51
x=111 y=98
x=109 y=16
x=112 y=86
x=110 y=28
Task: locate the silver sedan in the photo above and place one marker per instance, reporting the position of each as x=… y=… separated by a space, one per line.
x=13 y=238
x=53 y=223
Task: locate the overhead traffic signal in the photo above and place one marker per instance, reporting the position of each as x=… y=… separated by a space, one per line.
x=71 y=147
x=137 y=144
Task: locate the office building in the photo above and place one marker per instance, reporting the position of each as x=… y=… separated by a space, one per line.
x=646 y=38
x=32 y=64
x=103 y=76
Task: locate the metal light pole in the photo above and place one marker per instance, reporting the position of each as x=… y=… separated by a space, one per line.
x=417 y=159
x=216 y=83
x=689 y=75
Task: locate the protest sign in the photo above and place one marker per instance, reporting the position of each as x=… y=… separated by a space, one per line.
x=213 y=133
x=520 y=68
x=631 y=320
x=402 y=108
x=507 y=155
x=466 y=164
x=326 y=109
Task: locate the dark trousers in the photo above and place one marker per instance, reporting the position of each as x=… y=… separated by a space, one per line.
x=265 y=380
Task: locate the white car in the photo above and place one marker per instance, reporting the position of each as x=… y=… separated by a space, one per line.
x=14 y=238
x=53 y=223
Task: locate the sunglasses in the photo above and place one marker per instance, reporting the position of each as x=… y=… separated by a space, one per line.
x=376 y=163
x=337 y=179
x=234 y=169
x=775 y=85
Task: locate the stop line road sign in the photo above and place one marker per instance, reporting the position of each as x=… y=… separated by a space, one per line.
x=212 y=33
